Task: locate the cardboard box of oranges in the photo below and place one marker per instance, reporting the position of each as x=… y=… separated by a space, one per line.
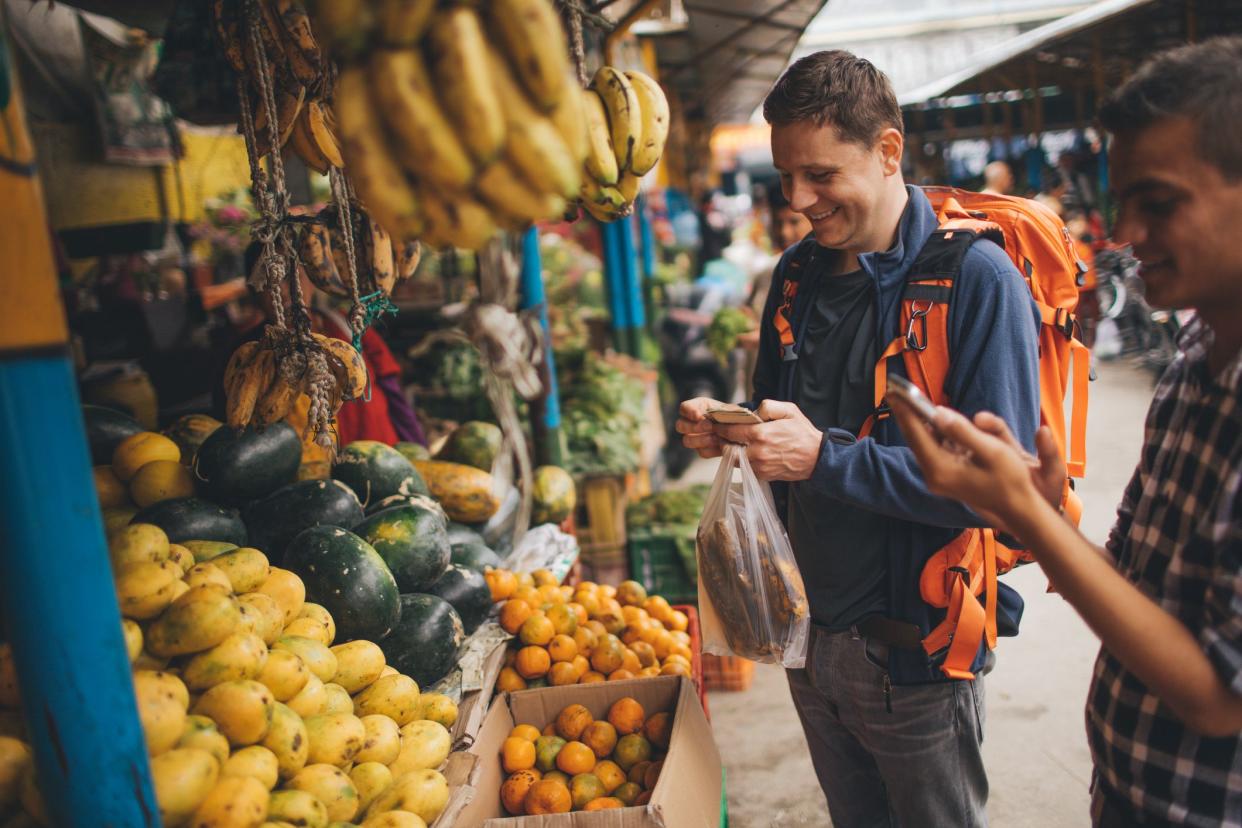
x=643 y=755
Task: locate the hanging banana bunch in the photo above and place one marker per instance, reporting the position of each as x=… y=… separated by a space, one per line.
x=384 y=261
x=627 y=125
x=455 y=120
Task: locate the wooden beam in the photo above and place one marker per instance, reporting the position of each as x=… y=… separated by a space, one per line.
x=741 y=31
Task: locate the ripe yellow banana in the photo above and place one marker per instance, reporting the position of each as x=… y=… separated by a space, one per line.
x=601 y=160
x=627 y=186
x=291 y=27
x=288 y=105
x=505 y=191
x=406 y=256
x=531 y=34
x=403 y=22
x=533 y=144
x=381 y=183
x=315 y=254
x=355 y=366
x=602 y=201
x=344 y=25
x=456 y=54
x=380 y=265
x=570 y=121
x=301 y=142
x=251 y=378
x=653 y=106
x=426 y=143
x=322 y=133
x=277 y=401
x=624 y=117
x=456 y=221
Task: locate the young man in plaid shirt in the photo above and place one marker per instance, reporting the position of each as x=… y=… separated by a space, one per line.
x=1164 y=714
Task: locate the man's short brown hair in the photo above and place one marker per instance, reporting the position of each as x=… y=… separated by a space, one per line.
x=835 y=88
x=1202 y=82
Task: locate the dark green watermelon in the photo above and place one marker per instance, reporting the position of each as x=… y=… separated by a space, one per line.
x=105 y=429
x=413 y=541
x=468 y=592
x=277 y=518
x=413 y=451
x=464 y=533
x=422 y=501
x=191 y=518
x=425 y=642
x=476 y=556
x=345 y=575
x=376 y=471
x=236 y=466
x=473 y=443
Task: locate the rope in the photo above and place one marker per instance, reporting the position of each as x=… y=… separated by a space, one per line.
x=596 y=20
x=358 y=319
x=577 y=49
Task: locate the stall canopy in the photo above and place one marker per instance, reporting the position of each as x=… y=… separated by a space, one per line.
x=729 y=54
x=1075 y=59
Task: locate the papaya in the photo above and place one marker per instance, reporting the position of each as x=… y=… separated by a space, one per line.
x=466 y=493
x=474 y=443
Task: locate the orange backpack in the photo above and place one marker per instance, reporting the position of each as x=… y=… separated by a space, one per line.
x=1041 y=248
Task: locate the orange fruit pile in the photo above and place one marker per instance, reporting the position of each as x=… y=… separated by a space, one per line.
x=585 y=633
x=579 y=763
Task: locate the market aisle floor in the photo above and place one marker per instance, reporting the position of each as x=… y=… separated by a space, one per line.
x=1036 y=748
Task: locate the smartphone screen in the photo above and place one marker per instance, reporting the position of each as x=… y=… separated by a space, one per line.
x=899 y=386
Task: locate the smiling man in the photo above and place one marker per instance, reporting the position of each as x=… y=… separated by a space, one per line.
x=894 y=742
x=1164 y=713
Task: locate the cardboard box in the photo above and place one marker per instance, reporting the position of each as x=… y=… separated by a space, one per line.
x=687 y=796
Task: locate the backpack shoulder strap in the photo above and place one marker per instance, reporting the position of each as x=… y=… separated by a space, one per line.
x=795 y=265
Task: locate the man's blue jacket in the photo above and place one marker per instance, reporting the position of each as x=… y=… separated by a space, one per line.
x=994 y=366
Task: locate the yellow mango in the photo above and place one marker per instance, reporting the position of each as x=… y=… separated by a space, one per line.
x=240 y=656
x=182 y=778
x=318 y=658
x=254 y=761
x=389 y=671
x=310 y=699
x=160 y=480
x=162 y=700
x=207 y=574
x=438 y=707
x=137 y=543
x=15 y=758
x=395 y=819
x=181 y=556
x=201 y=733
x=136 y=450
x=285 y=674
x=287 y=739
x=287 y=590
x=247 y=568
x=205 y=550
x=424 y=745
x=144 y=589
x=358 y=665
x=241 y=709
x=370 y=780
x=335 y=738
x=273 y=617
x=234 y=802
x=331 y=786
x=109 y=488
x=196 y=621
x=116 y=519
x=316 y=612
x=336 y=700
x=394 y=696
x=382 y=743
x=133 y=639
x=421 y=792
x=297 y=808
x=307 y=628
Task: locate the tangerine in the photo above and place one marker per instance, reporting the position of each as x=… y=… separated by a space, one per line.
x=509 y=681
x=649 y=672
x=643 y=798
x=562 y=673
x=675 y=668
x=525 y=579
x=610 y=773
x=681 y=650
x=571 y=721
x=679 y=621
x=563 y=619
x=663 y=644
x=549 y=729
x=581 y=665
x=596 y=627
x=608 y=590
x=550 y=594
x=631 y=749
x=635 y=773
x=501 y=582
x=632 y=636
x=559 y=776
x=631 y=593
x=524 y=731
x=628 y=792
x=620 y=675
x=679 y=658
x=532 y=662
x=604 y=803
x=513 y=791
x=590 y=677
x=585 y=787
x=538 y=630
x=548 y=796
x=607 y=654
x=630 y=661
x=513 y=613
x=659 y=729
x=645 y=652
x=658 y=608
x=626 y=715
x=562 y=648
x=600 y=737
x=680 y=636
x=517 y=754
x=585 y=638
x=544 y=577
x=575 y=758
x=589 y=601
x=579 y=612
x=546 y=750
x=530 y=595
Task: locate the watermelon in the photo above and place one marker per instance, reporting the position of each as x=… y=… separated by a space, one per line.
x=105 y=429
x=422 y=501
x=236 y=466
x=413 y=451
x=376 y=471
x=476 y=556
x=413 y=541
x=277 y=518
x=473 y=444
x=191 y=518
x=468 y=592
x=425 y=642
x=344 y=574
x=189 y=432
x=553 y=495
x=464 y=533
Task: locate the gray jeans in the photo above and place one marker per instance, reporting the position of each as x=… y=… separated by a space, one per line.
x=889 y=756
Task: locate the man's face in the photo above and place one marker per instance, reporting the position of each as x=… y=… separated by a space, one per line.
x=788 y=227
x=837 y=185
x=1182 y=216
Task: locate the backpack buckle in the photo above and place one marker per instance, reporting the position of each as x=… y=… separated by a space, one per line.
x=918 y=315
x=1065 y=322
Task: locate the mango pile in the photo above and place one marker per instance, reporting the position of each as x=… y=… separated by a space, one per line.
x=579 y=763
x=251 y=715
x=585 y=633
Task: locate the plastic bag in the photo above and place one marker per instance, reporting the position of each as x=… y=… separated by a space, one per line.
x=751 y=599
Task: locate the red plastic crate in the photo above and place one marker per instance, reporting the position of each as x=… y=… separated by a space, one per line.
x=696 y=653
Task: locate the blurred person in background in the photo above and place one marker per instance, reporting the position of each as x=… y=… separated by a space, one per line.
x=997 y=178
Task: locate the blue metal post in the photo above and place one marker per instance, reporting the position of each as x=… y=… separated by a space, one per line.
x=646 y=236
x=60 y=607
x=614 y=280
x=637 y=316
x=550 y=449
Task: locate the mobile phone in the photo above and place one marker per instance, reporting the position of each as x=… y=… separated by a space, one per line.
x=902 y=388
x=733 y=415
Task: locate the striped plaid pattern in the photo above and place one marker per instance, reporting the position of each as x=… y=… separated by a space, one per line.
x=1178 y=538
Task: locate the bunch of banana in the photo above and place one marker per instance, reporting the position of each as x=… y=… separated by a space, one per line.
x=627 y=124
x=381 y=261
x=260 y=389
x=295 y=71
x=455 y=119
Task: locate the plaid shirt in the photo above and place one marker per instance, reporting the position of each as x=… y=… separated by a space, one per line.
x=1178 y=538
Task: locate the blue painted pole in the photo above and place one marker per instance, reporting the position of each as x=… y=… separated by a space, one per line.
x=636 y=317
x=614 y=281
x=549 y=444
x=647 y=236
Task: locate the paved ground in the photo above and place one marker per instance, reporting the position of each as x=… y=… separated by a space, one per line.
x=1036 y=749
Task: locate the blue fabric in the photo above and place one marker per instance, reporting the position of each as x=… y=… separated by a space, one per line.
x=993 y=345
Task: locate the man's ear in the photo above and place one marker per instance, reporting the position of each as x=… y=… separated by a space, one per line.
x=890 y=145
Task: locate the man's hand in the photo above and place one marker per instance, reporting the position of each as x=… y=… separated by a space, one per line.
x=696 y=430
x=785 y=447
x=982 y=464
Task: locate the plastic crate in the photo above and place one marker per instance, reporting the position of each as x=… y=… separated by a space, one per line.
x=727 y=672
x=696 y=653
x=662 y=560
